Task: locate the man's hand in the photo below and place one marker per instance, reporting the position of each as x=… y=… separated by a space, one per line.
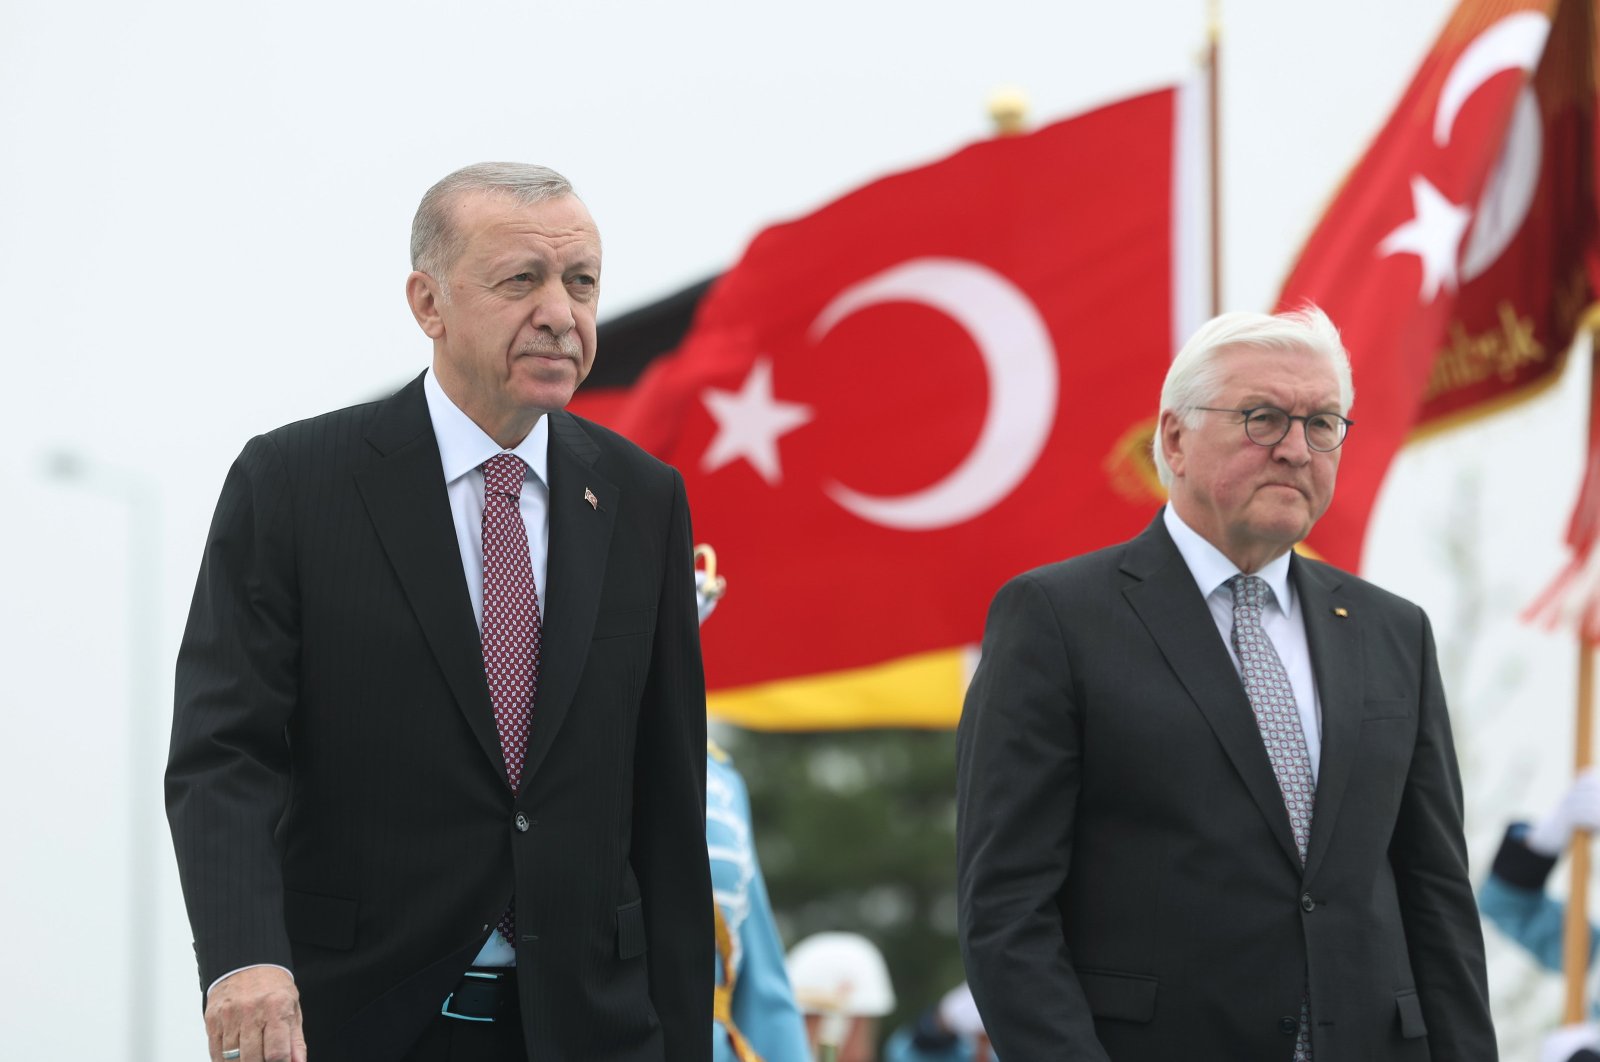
x=256 y=1012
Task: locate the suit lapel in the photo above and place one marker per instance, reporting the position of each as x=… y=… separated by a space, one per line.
x=580 y=541
x=405 y=496
x=1169 y=604
x=1335 y=643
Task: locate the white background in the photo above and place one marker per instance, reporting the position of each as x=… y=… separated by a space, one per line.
x=203 y=226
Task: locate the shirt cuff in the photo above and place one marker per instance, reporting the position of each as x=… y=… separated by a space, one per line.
x=242 y=969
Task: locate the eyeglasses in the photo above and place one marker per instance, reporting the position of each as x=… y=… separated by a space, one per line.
x=1269 y=426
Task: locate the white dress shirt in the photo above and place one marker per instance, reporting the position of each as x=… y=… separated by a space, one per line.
x=463 y=448
x=1282 y=620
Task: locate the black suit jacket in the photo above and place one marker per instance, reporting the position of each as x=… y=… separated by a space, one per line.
x=1129 y=884
x=336 y=788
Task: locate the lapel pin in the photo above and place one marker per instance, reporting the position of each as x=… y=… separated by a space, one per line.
x=1342 y=613
x=588 y=496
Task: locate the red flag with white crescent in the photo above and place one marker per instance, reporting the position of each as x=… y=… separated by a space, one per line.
x=889 y=407
x=1457 y=259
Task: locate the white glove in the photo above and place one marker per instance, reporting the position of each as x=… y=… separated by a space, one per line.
x=1566 y=1041
x=959 y=1013
x=1578 y=809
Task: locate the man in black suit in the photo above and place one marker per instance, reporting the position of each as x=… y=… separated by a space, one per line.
x=1209 y=805
x=436 y=782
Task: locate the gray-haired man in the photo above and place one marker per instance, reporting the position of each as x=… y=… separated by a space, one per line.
x=1209 y=805
x=438 y=746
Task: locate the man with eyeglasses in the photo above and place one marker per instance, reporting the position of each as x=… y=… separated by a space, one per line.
x=1209 y=806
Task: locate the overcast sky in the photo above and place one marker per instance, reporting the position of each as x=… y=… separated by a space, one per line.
x=203 y=234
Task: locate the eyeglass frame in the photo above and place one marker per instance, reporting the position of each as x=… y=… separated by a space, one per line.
x=1289 y=419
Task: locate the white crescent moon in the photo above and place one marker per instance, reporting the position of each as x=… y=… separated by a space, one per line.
x=1014 y=342
x=1514 y=43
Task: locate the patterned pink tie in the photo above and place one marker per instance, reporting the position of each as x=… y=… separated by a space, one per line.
x=510 y=620
x=1266 y=683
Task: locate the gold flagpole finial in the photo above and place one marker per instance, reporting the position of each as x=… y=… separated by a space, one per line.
x=715 y=584
x=1008 y=110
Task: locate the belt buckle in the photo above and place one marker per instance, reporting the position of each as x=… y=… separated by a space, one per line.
x=444 y=1008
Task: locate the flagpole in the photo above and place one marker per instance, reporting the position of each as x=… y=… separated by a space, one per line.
x=1576 y=933
x=1214 y=144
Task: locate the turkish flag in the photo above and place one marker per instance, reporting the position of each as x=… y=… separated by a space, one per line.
x=1457 y=260
x=889 y=407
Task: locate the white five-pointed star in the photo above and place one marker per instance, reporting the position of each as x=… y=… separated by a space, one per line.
x=750 y=422
x=1433 y=235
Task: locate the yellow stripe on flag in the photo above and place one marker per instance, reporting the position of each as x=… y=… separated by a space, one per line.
x=922 y=691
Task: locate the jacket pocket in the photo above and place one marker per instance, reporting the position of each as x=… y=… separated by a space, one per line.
x=321 y=921
x=630 y=930
x=1388 y=708
x=1120 y=996
x=1410 y=1008
x=622 y=622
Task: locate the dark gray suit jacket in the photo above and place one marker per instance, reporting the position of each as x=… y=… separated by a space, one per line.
x=1129 y=884
x=336 y=788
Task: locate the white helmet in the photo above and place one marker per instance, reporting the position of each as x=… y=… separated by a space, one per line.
x=959 y=1013
x=840 y=973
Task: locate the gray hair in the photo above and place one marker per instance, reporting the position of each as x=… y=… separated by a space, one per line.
x=1195 y=377
x=435 y=242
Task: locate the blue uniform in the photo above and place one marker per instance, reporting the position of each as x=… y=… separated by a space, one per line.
x=1514 y=901
x=762 y=1006
x=925 y=1041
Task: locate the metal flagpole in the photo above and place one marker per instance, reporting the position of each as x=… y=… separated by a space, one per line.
x=1576 y=934
x=1214 y=145
x=1573 y=598
x=144 y=716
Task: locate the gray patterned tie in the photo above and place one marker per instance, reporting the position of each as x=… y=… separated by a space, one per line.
x=1266 y=683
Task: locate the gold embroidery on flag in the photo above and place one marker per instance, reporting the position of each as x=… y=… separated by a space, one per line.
x=1131 y=468
x=1468 y=360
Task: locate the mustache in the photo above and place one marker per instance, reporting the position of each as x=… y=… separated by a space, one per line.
x=565 y=345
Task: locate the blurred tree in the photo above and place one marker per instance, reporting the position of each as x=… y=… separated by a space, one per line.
x=856 y=832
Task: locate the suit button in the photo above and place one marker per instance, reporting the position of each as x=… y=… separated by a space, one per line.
x=1288 y=1026
x=1307 y=904
x=522 y=823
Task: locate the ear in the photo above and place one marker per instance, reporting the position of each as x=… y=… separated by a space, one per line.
x=1169 y=436
x=424 y=296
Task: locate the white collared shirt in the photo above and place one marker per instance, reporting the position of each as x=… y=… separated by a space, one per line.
x=1282 y=620
x=463 y=448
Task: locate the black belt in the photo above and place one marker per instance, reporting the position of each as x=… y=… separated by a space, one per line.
x=483 y=995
